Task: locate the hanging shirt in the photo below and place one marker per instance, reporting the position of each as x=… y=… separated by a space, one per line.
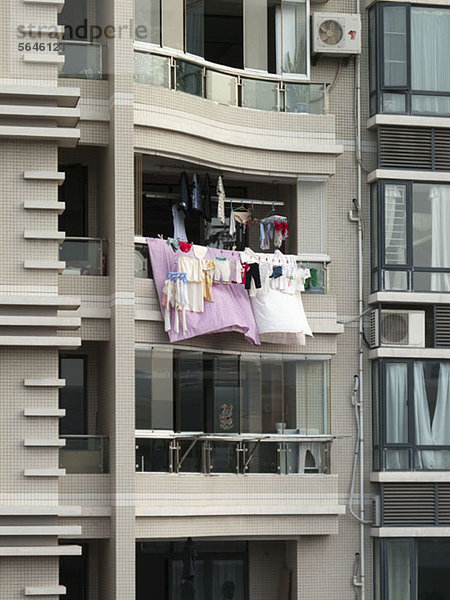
x=194 y=273
x=220 y=190
x=184 y=203
x=179 y=230
x=197 y=205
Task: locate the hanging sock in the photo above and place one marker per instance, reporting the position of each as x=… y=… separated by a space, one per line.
x=220 y=190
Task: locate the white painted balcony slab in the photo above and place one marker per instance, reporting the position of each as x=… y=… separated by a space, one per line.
x=61 y=95
x=58 y=383
x=60 y=302
x=40 y=340
x=44 y=412
x=27 y=510
x=58 y=3
x=44 y=472
x=64 y=117
x=65 y=137
x=47 y=59
x=54 y=265
x=44 y=235
x=58 y=176
x=58 y=207
x=59 y=590
x=58 y=322
x=40 y=550
x=44 y=443
x=40 y=530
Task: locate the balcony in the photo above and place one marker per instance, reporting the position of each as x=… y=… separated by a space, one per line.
x=84 y=454
x=83 y=256
x=83 y=60
x=301 y=452
x=225 y=86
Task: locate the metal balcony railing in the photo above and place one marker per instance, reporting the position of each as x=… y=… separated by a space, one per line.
x=83 y=60
x=225 y=87
x=229 y=453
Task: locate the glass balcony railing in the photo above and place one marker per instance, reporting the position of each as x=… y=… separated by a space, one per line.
x=230 y=89
x=142 y=265
x=240 y=454
x=83 y=256
x=83 y=60
x=84 y=454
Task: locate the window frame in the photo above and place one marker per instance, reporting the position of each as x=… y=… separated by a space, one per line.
x=378 y=61
x=379 y=449
x=207 y=404
x=378 y=271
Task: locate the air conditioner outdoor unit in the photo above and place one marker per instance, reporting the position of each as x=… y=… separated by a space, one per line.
x=336 y=33
x=401 y=328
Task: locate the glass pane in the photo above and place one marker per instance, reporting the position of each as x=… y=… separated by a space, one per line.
x=374 y=226
x=221 y=88
x=147 y=21
x=312 y=397
x=251 y=408
x=377 y=569
x=433 y=574
x=395 y=280
x=290 y=33
x=151 y=69
x=192 y=462
x=396 y=403
x=162 y=389
x=256 y=34
x=375 y=281
x=143 y=389
x=223 y=457
x=317 y=282
x=81 y=60
x=189 y=390
x=189 y=78
x=72 y=397
x=272 y=395
x=429 y=39
x=376 y=403
x=395 y=46
x=395 y=223
x=152 y=455
x=431 y=218
x=431 y=282
x=263 y=457
x=372 y=51
x=262 y=95
x=432 y=460
x=394 y=103
x=228 y=580
x=226 y=395
x=305 y=98
x=396 y=460
x=84 y=455
x=430 y=105
x=82 y=257
x=215 y=31
x=398 y=568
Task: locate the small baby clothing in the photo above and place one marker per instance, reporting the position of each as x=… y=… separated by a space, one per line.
x=276 y=272
x=281 y=233
x=252 y=273
x=179 y=230
x=235 y=271
x=185 y=246
x=208 y=267
x=222 y=270
x=175 y=297
x=194 y=274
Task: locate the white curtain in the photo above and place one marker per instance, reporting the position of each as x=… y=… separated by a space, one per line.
x=438 y=432
x=395 y=235
x=440 y=238
x=430 y=56
x=396 y=411
x=227 y=580
x=399 y=577
x=290 y=25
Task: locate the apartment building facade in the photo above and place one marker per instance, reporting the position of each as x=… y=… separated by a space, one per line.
x=116 y=481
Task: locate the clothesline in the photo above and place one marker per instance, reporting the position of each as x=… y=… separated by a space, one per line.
x=175 y=196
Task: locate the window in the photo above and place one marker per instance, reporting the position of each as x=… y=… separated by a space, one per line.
x=413 y=569
x=410 y=64
x=183 y=390
x=73 y=574
x=73 y=396
x=221 y=570
x=412 y=431
x=73 y=192
x=410 y=238
x=265 y=35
